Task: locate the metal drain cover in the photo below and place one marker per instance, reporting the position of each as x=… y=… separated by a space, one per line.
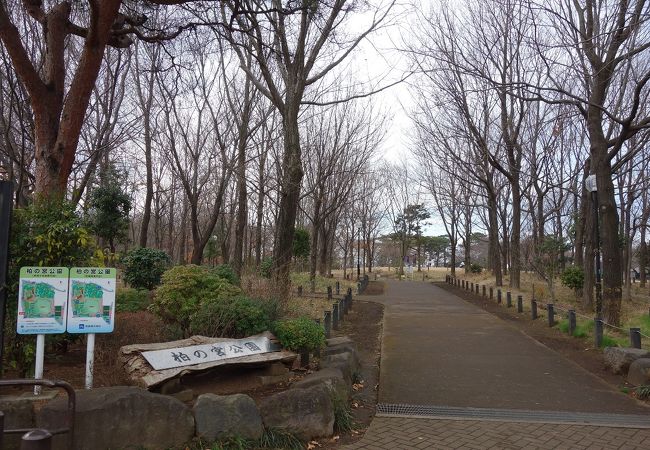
x=513 y=415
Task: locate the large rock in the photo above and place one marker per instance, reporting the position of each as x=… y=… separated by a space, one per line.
x=222 y=416
x=120 y=417
x=307 y=413
x=18 y=413
x=331 y=378
x=347 y=362
x=639 y=372
x=618 y=359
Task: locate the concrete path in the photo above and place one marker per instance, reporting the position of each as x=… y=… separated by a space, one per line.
x=447 y=365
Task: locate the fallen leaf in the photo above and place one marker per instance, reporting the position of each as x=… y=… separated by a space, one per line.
x=335 y=438
x=312 y=445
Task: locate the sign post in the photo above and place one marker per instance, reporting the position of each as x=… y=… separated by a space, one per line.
x=92 y=307
x=42 y=301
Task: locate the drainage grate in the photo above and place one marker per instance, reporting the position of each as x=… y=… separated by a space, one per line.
x=513 y=415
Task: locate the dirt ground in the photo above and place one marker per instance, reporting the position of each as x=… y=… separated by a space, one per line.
x=581 y=351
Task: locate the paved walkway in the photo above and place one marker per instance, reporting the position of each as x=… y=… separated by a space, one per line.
x=455 y=376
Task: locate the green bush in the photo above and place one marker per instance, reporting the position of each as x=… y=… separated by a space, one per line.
x=132 y=300
x=237 y=317
x=573 y=277
x=475 y=268
x=300 y=334
x=266 y=267
x=226 y=272
x=143 y=267
x=184 y=289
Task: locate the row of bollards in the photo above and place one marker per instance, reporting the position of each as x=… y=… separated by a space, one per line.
x=634 y=333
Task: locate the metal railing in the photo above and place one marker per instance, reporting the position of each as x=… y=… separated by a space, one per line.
x=36 y=438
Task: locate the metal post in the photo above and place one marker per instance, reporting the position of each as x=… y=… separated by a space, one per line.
x=533 y=309
x=635 y=337
x=317 y=351
x=499 y=296
x=328 y=324
x=90 y=359
x=483 y=290
x=358 y=253
x=598 y=332
x=509 y=299
x=551 y=314
x=572 y=322
x=338 y=288
x=335 y=316
x=341 y=311
x=40 y=358
x=329 y=292
x=599 y=286
x=477 y=286
x=520 y=304
x=491 y=292
x=304 y=358
x=36 y=440
x=358 y=288
x=6 y=202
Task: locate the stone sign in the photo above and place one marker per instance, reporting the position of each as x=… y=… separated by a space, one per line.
x=199 y=354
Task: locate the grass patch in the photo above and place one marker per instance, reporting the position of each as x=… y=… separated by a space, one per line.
x=642 y=392
x=278 y=439
x=610 y=341
x=320 y=283
x=343 y=419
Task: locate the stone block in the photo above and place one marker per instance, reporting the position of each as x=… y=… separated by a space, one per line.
x=307 y=413
x=618 y=359
x=18 y=413
x=639 y=372
x=332 y=378
x=121 y=417
x=222 y=416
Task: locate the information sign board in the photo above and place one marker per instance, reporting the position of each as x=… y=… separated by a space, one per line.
x=198 y=354
x=91 y=301
x=42 y=299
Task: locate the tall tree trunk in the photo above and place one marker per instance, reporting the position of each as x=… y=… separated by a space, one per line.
x=289 y=199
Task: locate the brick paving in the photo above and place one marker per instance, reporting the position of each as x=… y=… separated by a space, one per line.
x=435 y=347
x=397 y=433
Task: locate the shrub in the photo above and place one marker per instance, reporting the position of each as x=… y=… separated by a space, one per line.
x=573 y=277
x=266 y=267
x=49 y=232
x=182 y=291
x=143 y=267
x=237 y=317
x=475 y=268
x=132 y=300
x=300 y=334
x=225 y=271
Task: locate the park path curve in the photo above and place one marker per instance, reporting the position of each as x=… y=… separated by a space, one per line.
x=455 y=376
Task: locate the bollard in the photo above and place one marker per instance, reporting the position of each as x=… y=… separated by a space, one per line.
x=341 y=311
x=36 y=440
x=533 y=309
x=329 y=292
x=328 y=324
x=477 y=286
x=635 y=337
x=598 y=332
x=483 y=291
x=299 y=291
x=509 y=299
x=348 y=302
x=312 y=286
x=551 y=314
x=499 y=296
x=471 y=288
x=520 y=304
x=491 y=292
x=338 y=288
x=335 y=316
x=572 y=322
x=358 y=288
x=317 y=351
